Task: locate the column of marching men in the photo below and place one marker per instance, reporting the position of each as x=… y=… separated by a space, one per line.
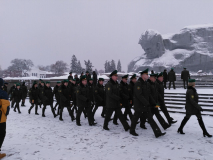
x=141 y=100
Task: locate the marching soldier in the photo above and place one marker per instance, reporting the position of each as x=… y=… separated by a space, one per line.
x=17 y=95
x=76 y=78
x=113 y=99
x=73 y=91
x=40 y=88
x=65 y=97
x=24 y=93
x=10 y=94
x=99 y=96
x=156 y=101
x=161 y=95
x=185 y=76
x=47 y=96
x=34 y=94
x=88 y=76
x=57 y=96
x=143 y=102
x=84 y=102
x=165 y=78
x=91 y=92
x=172 y=78
x=5 y=87
x=70 y=76
x=193 y=108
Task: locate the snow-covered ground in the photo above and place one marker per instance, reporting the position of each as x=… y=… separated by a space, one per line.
x=32 y=137
x=181 y=90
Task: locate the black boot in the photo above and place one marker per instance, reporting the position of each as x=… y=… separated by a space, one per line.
x=183 y=123
x=43 y=110
x=205 y=133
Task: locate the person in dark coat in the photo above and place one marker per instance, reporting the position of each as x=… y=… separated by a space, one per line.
x=143 y=103
x=165 y=78
x=34 y=94
x=76 y=78
x=91 y=92
x=94 y=76
x=161 y=96
x=5 y=87
x=99 y=97
x=47 y=96
x=65 y=98
x=193 y=108
x=84 y=101
x=171 y=78
x=73 y=91
x=88 y=76
x=70 y=76
x=113 y=101
x=40 y=88
x=185 y=76
x=10 y=94
x=24 y=93
x=17 y=95
x=156 y=101
x=82 y=73
x=57 y=96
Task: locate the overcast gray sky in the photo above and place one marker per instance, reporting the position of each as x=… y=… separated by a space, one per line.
x=49 y=30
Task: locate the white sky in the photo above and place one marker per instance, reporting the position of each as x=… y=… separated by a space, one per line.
x=49 y=30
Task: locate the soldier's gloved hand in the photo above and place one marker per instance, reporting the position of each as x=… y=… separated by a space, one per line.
x=130 y=101
x=32 y=101
x=157 y=106
x=120 y=104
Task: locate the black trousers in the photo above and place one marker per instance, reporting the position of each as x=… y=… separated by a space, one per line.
x=36 y=107
x=185 y=83
x=52 y=109
x=173 y=83
x=165 y=112
x=128 y=112
x=68 y=109
x=88 y=110
x=143 y=116
x=2 y=133
x=163 y=123
x=17 y=106
x=164 y=84
x=118 y=113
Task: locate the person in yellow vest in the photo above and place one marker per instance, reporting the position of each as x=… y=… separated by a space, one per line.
x=4 y=111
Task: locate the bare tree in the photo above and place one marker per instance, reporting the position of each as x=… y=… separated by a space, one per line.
x=59 y=67
x=21 y=65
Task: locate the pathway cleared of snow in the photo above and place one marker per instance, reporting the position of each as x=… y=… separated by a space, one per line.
x=32 y=137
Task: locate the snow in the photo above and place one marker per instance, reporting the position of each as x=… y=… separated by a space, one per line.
x=180 y=90
x=32 y=137
x=198 y=26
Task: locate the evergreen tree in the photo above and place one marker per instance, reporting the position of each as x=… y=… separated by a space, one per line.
x=106 y=67
x=112 y=66
x=119 y=66
x=79 y=68
x=74 y=64
x=89 y=66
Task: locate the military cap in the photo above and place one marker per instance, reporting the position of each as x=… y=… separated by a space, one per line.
x=17 y=84
x=114 y=73
x=58 y=82
x=125 y=76
x=66 y=80
x=70 y=73
x=74 y=80
x=191 y=80
x=160 y=74
x=87 y=71
x=91 y=79
x=34 y=82
x=153 y=75
x=47 y=82
x=165 y=69
x=133 y=76
x=83 y=78
x=100 y=79
x=145 y=71
x=184 y=67
x=5 y=82
x=42 y=81
x=172 y=68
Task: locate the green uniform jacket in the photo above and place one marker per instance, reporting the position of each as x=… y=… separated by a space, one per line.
x=124 y=90
x=82 y=95
x=192 y=106
x=47 y=96
x=99 y=95
x=113 y=97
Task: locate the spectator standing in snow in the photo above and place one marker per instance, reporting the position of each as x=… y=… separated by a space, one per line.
x=171 y=78
x=185 y=76
x=165 y=78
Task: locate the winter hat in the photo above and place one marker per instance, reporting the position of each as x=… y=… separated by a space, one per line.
x=145 y=71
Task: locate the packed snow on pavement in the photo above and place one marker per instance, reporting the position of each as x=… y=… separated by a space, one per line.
x=32 y=137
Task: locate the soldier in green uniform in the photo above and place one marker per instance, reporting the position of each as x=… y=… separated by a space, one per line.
x=57 y=96
x=17 y=95
x=10 y=94
x=34 y=94
x=88 y=76
x=83 y=101
x=160 y=89
x=99 y=97
x=143 y=102
x=47 y=96
x=113 y=101
x=40 y=89
x=73 y=91
x=193 y=108
x=91 y=92
x=70 y=76
x=65 y=98
x=24 y=93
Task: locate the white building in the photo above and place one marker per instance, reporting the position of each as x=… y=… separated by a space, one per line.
x=36 y=72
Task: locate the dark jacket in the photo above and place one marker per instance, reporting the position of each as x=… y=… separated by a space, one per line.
x=17 y=95
x=47 y=96
x=171 y=76
x=185 y=75
x=34 y=93
x=70 y=77
x=154 y=91
x=142 y=96
x=83 y=96
x=113 y=97
x=165 y=76
x=65 y=95
x=41 y=89
x=56 y=93
x=160 y=89
x=131 y=91
x=94 y=76
x=88 y=77
x=124 y=90
x=24 y=91
x=4 y=88
x=11 y=90
x=91 y=92
x=192 y=106
x=73 y=91
x=99 y=95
